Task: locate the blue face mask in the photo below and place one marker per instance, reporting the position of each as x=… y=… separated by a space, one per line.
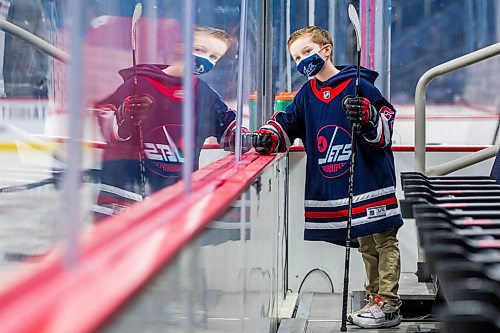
x=311 y=65
x=202 y=65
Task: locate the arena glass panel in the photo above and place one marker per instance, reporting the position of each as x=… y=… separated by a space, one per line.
x=71 y=134
x=232 y=277
x=32 y=158
x=428 y=33
x=202 y=289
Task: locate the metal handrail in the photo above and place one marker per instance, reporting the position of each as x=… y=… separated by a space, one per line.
x=34 y=40
x=421 y=89
x=463 y=162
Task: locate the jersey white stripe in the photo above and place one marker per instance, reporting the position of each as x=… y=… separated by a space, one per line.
x=355 y=222
x=357 y=198
x=108 y=211
x=386 y=131
x=120 y=192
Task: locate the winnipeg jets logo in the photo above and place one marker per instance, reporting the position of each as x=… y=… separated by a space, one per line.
x=334 y=150
x=326 y=94
x=163 y=155
x=309 y=69
x=199 y=70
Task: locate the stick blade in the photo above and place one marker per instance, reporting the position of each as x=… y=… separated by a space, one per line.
x=354 y=18
x=135 y=18
x=137 y=13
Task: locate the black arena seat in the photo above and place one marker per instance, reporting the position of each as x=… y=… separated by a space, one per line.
x=470 y=317
x=458 y=224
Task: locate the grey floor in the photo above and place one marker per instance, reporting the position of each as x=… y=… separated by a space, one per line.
x=334 y=326
x=321 y=312
x=325 y=316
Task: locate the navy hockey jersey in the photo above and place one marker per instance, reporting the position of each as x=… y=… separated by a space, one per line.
x=317 y=117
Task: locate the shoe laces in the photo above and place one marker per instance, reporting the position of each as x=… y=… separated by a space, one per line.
x=374 y=299
x=385 y=306
x=371 y=301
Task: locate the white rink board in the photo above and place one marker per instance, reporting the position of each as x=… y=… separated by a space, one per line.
x=447 y=125
x=303 y=256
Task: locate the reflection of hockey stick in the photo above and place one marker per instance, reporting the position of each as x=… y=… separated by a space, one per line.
x=142 y=168
x=24 y=187
x=88 y=176
x=25 y=257
x=353 y=17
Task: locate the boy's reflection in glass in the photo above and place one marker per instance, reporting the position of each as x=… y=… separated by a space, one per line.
x=149 y=116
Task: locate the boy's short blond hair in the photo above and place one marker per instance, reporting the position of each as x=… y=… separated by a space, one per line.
x=217 y=33
x=318 y=36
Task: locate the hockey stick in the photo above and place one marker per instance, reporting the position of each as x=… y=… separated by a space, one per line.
x=353 y=17
x=89 y=176
x=142 y=167
x=24 y=187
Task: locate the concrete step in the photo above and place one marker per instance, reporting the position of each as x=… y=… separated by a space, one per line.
x=417 y=297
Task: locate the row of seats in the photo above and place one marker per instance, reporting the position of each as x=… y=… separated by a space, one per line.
x=458 y=222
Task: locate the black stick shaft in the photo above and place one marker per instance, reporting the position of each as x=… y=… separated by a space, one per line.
x=142 y=166
x=358 y=74
x=345 y=292
x=135 y=71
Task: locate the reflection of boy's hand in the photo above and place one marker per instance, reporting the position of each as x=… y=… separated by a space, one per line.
x=265 y=141
x=134 y=109
x=246 y=141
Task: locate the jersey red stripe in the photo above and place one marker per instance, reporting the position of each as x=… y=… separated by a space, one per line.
x=355 y=210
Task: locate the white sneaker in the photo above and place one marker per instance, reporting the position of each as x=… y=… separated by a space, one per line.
x=364 y=309
x=378 y=315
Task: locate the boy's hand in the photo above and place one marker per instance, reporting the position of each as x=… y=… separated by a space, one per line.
x=265 y=141
x=360 y=111
x=134 y=109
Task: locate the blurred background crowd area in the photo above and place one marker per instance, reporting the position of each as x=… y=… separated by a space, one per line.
x=423 y=34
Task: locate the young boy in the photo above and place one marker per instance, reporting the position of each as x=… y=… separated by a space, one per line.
x=322 y=114
x=145 y=143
